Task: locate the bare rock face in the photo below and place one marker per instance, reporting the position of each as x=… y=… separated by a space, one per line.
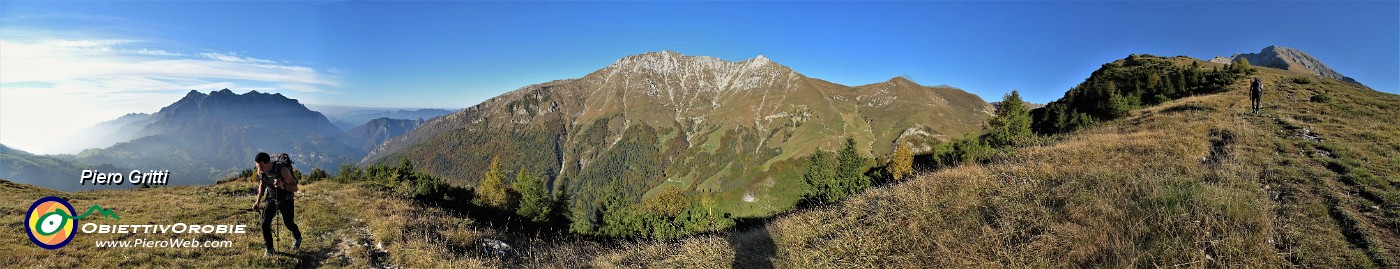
x=1287 y=59
x=1222 y=60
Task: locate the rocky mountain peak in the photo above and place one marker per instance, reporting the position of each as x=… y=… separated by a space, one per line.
x=696 y=72
x=761 y=59
x=901 y=80
x=670 y=62
x=226 y=99
x=1287 y=58
x=225 y=106
x=227 y=92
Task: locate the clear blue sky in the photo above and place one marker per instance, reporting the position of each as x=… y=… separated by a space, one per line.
x=456 y=54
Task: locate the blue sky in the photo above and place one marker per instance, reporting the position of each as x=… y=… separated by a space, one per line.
x=94 y=61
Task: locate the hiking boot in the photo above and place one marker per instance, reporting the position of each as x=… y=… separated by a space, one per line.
x=269 y=252
x=296 y=245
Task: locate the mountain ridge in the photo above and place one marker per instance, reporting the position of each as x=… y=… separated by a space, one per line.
x=59 y=172
x=106 y=133
x=204 y=137
x=368 y=136
x=1287 y=58
x=736 y=128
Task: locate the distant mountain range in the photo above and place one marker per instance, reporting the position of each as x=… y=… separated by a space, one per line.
x=106 y=134
x=349 y=117
x=367 y=137
x=60 y=172
x=1287 y=59
x=203 y=137
x=736 y=129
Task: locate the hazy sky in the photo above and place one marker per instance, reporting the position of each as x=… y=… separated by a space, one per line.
x=65 y=66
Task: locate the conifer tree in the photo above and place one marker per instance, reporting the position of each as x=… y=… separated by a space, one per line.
x=1012 y=122
x=821 y=176
x=850 y=172
x=492 y=190
x=535 y=203
x=902 y=163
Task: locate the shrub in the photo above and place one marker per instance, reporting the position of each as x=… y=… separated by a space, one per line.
x=1011 y=123
x=902 y=163
x=428 y=187
x=1241 y=65
x=969 y=149
x=1190 y=107
x=1320 y=98
x=669 y=202
x=348 y=173
x=1302 y=80
x=316 y=175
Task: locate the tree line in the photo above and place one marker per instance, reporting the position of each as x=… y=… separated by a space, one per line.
x=1135 y=82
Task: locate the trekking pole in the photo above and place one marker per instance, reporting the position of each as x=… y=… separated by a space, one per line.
x=275 y=229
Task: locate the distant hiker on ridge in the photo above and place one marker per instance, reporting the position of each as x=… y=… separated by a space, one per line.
x=275 y=180
x=1256 y=94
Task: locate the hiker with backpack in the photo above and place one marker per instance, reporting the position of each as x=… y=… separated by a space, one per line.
x=1256 y=95
x=277 y=184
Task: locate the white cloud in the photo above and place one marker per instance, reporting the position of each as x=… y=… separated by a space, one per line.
x=50 y=88
x=233 y=57
x=156 y=52
x=88 y=44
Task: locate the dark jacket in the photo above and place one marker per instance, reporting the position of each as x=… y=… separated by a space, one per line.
x=1256 y=89
x=271 y=193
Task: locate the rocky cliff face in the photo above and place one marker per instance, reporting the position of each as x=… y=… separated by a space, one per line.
x=1287 y=59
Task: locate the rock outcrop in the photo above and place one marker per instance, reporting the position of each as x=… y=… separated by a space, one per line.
x=1287 y=59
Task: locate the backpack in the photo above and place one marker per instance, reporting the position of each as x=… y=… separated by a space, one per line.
x=280 y=161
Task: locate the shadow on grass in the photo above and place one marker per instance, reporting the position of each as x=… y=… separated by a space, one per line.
x=752 y=244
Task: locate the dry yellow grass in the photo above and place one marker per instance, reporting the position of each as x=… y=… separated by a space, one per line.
x=1149 y=190
x=343 y=226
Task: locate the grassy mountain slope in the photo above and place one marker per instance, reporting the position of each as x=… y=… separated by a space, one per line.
x=1199 y=182
x=659 y=120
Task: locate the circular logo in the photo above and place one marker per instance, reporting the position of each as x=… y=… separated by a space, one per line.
x=50 y=222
